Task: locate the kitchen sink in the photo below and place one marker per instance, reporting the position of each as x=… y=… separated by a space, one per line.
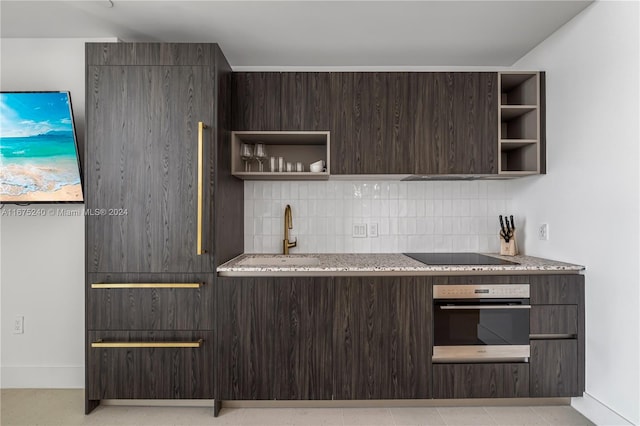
x=279 y=260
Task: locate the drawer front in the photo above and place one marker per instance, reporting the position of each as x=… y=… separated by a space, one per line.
x=557 y=289
x=150 y=302
x=554 y=320
x=180 y=367
x=480 y=380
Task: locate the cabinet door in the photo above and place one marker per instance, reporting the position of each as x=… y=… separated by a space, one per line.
x=302 y=334
x=256 y=101
x=382 y=338
x=163 y=372
x=554 y=368
x=480 y=380
x=456 y=129
x=371 y=124
x=306 y=101
x=246 y=328
x=142 y=165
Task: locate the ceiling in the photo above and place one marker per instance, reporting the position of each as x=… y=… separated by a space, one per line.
x=280 y=34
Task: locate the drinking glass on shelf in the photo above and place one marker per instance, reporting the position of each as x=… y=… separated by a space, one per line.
x=246 y=155
x=260 y=154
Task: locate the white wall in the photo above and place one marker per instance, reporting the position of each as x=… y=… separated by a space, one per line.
x=42 y=258
x=411 y=216
x=590 y=197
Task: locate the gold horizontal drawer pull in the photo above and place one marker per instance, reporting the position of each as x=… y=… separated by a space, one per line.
x=146 y=285
x=101 y=344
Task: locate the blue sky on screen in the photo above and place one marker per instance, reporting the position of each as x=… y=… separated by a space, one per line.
x=31 y=114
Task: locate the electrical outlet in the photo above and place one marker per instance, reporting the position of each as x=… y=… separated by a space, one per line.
x=543 y=232
x=18 y=324
x=359 y=230
x=372 y=230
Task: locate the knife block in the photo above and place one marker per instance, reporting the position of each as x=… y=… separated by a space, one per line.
x=508 y=248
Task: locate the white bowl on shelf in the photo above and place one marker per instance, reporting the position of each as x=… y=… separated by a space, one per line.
x=316 y=167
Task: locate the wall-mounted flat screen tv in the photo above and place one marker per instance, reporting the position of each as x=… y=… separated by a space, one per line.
x=39 y=160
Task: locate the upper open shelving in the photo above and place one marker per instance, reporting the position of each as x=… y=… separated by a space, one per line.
x=296 y=146
x=519 y=141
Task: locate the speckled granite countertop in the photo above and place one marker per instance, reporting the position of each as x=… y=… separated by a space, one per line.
x=322 y=264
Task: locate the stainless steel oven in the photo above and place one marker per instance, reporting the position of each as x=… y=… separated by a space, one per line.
x=481 y=323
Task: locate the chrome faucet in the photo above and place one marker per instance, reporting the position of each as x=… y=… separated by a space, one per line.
x=288 y=224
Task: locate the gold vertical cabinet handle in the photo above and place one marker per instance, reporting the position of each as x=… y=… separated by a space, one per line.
x=101 y=344
x=146 y=285
x=201 y=127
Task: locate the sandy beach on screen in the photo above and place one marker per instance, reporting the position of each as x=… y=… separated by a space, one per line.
x=66 y=193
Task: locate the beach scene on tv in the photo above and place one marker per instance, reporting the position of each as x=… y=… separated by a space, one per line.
x=38 y=154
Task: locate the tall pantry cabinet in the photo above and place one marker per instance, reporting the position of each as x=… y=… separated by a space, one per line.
x=163 y=212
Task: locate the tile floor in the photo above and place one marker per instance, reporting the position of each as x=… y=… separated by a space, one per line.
x=65 y=408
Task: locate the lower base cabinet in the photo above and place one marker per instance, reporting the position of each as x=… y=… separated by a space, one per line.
x=274 y=338
x=382 y=338
x=357 y=338
x=480 y=380
x=150 y=365
x=554 y=368
x=323 y=338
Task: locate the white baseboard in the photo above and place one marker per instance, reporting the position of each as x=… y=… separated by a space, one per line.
x=598 y=412
x=43 y=377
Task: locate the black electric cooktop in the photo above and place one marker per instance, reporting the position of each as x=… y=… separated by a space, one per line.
x=457 y=259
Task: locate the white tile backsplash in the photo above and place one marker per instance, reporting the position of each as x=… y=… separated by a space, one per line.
x=411 y=216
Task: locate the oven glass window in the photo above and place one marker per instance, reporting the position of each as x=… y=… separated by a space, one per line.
x=481 y=326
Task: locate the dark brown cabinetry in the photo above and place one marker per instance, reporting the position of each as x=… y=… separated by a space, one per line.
x=306 y=101
x=371 y=123
x=129 y=366
x=554 y=320
x=556 y=362
x=142 y=164
x=256 y=101
x=557 y=335
x=381 y=122
x=456 y=123
x=381 y=338
x=166 y=212
x=323 y=338
x=480 y=380
x=274 y=339
x=150 y=302
x=554 y=368
x=245 y=350
x=303 y=345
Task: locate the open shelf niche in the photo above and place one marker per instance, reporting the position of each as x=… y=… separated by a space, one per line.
x=519 y=131
x=306 y=147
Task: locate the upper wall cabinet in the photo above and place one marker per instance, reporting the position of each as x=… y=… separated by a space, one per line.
x=431 y=123
x=306 y=101
x=521 y=132
x=371 y=124
x=256 y=101
x=455 y=124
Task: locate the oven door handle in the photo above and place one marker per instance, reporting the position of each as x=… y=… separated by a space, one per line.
x=486 y=307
